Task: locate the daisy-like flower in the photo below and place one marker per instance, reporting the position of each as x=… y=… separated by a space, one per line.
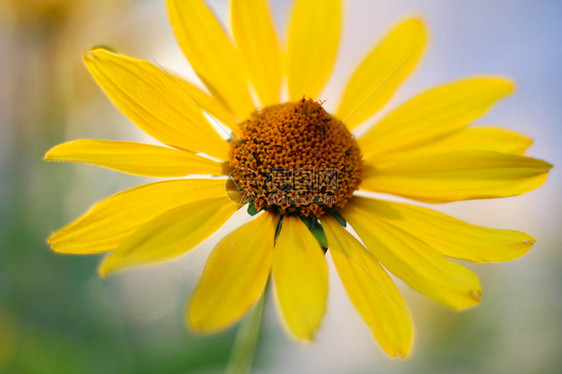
x=298 y=168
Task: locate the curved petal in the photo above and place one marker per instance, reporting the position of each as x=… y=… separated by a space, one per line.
x=211 y=105
x=412 y=260
x=112 y=220
x=211 y=53
x=169 y=235
x=434 y=114
x=155 y=101
x=235 y=276
x=301 y=278
x=468 y=139
x=134 y=158
x=449 y=236
x=370 y=289
x=454 y=176
x=381 y=73
x=255 y=36
x=314 y=35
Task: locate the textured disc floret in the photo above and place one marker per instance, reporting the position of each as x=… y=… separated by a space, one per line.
x=295 y=157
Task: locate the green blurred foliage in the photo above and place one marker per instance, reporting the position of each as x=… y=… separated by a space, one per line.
x=51 y=320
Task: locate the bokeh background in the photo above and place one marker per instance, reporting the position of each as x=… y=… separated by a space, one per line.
x=56 y=316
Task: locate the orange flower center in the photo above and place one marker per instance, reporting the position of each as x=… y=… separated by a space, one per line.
x=295 y=158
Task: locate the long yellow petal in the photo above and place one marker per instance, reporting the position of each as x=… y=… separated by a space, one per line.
x=155 y=101
x=301 y=278
x=314 y=35
x=434 y=114
x=370 y=289
x=380 y=74
x=255 y=36
x=454 y=176
x=170 y=234
x=449 y=236
x=414 y=261
x=211 y=53
x=211 y=105
x=234 y=277
x=112 y=220
x=468 y=139
x=134 y=158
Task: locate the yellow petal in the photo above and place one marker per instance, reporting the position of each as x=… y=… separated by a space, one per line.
x=169 y=235
x=371 y=290
x=255 y=36
x=468 y=139
x=457 y=176
x=211 y=105
x=235 y=276
x=314 y=35
x=449 y=236
x=112 y=220
x=211 y=53
x=155 y=101
x=134 y=158
x=301 y=278
x=414 y=261
x=380 y=74
x=434 y=114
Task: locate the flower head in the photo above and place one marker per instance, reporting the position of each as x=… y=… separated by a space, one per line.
x=298 y=167
x=296 y=158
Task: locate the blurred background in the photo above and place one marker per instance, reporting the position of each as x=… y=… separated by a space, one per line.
x=56 y=316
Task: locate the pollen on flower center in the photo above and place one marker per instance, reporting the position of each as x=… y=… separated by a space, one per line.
x=295 y=158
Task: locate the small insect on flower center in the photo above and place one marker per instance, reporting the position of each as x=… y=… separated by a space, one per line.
x=295 y=158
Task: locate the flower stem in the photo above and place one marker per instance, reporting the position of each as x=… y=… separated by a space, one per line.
x=246 y=341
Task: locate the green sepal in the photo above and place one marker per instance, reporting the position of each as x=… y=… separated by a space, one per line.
x=252 y=209
x=278 y=229
x=316 y=229
x=338 y=217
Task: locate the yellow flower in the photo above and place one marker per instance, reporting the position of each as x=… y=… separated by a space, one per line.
x=300 y=167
